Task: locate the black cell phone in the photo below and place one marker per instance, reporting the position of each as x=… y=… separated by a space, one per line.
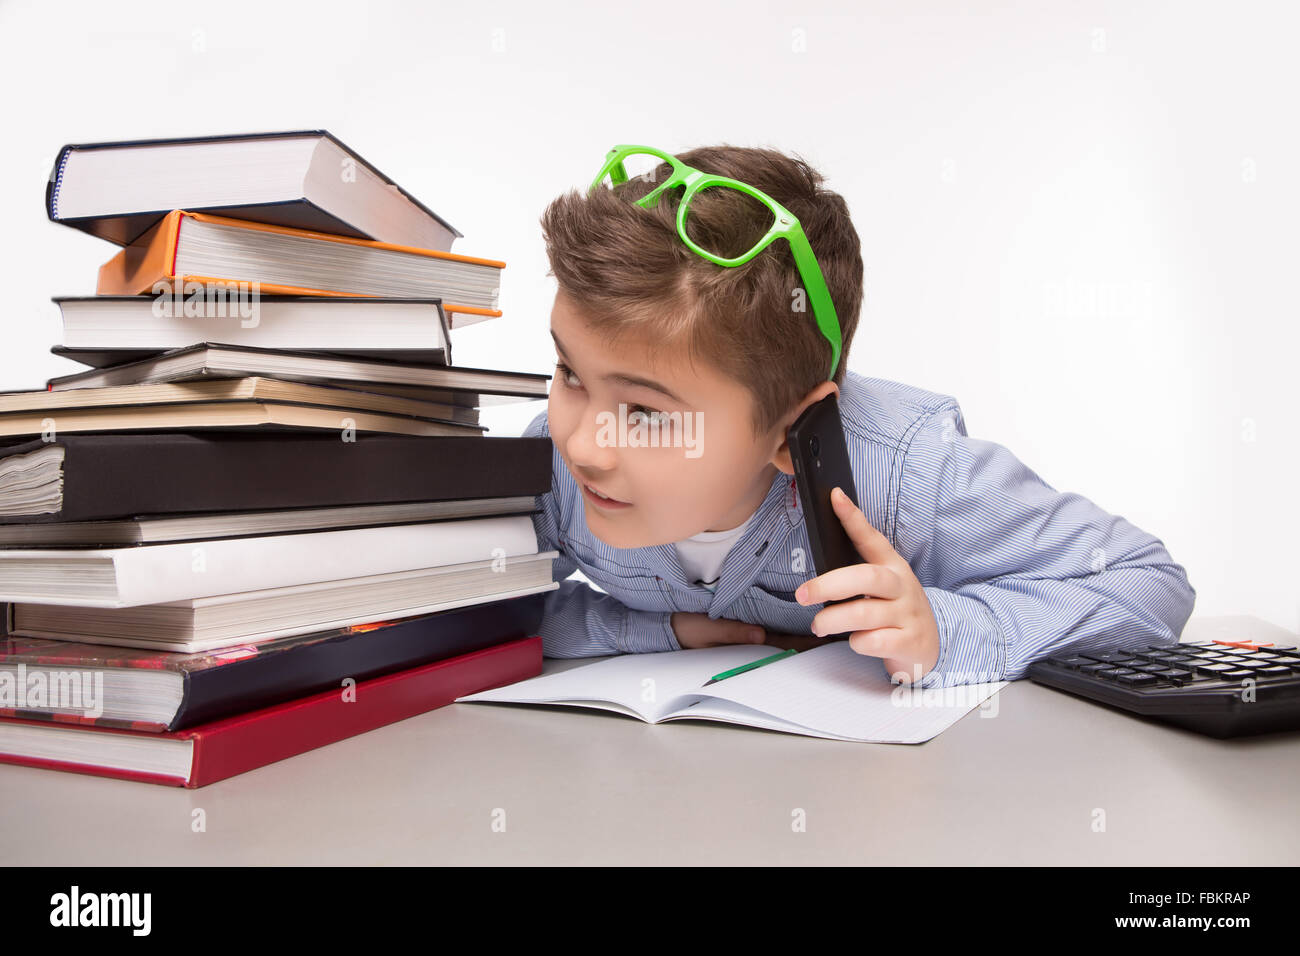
x=821 y=461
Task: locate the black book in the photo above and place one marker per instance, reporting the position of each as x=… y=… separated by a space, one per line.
x=94 y=477
x=112 y=329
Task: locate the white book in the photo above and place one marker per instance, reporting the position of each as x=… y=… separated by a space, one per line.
x=158 y=573
x=829 y=691
x=282 y=322
x=250 y=617
x=305 y=179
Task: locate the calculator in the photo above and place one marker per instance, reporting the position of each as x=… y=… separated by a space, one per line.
x=1219 y=688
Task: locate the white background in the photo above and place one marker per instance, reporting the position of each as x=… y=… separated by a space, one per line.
x=1077 y=217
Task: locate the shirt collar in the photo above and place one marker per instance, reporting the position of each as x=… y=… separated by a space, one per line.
x=771 y=524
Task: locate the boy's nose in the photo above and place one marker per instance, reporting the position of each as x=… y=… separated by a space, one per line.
x=587 y=448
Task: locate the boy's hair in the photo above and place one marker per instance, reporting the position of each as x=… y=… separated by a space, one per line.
x=627 y=271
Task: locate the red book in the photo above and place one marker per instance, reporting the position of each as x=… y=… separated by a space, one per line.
x=223 y=748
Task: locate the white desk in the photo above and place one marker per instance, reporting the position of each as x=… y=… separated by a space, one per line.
x=591 y=787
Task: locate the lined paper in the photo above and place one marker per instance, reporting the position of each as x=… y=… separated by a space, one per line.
x=828 y=691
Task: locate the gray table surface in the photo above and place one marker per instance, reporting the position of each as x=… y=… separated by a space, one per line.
x=1028 y=786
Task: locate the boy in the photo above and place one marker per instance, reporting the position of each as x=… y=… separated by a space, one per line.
x=972 y=565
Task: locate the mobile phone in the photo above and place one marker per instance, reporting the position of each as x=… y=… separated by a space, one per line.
x=821 y=461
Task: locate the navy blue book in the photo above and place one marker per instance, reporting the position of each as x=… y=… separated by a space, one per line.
x=161 y=691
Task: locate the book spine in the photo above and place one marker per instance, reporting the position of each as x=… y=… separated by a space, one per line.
x=150 y=259
x=56 y=183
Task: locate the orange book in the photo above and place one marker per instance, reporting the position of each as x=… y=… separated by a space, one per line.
x=197 y=247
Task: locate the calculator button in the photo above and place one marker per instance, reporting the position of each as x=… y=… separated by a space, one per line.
x=1073 y=662
x=1236 y=673
x=1107 y=657
x=1277 y=671
x=1214 y=670
x=1137 y=680
x=1157 y=669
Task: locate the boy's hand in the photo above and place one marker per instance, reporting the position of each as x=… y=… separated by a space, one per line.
x=699 y=630
x=893 y=620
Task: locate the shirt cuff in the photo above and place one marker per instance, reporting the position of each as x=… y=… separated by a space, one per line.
x=972 y=648
x=647 y=632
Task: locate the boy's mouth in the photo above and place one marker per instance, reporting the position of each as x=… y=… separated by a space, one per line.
x=603 y=501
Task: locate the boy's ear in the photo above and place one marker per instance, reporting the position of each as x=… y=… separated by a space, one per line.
x=781 y=449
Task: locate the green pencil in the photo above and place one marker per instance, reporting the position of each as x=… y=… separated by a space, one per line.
x=748 y=667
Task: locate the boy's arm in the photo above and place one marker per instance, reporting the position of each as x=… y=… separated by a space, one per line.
x=1015 y=570
x=579 y=621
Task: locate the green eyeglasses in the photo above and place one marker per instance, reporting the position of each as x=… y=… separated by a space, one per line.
x=784 y=225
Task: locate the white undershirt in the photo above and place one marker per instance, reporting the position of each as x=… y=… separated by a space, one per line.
x=702 y=554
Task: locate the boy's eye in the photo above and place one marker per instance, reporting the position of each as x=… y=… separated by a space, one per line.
x=652 y=416
x=564 y=372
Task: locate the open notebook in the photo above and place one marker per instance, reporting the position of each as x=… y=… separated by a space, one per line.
x=828 y=691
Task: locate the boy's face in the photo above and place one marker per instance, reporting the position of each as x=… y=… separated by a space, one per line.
x=702 y=469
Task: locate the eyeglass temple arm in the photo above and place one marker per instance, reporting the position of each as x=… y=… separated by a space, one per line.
x=617 y=175
x=819 y=297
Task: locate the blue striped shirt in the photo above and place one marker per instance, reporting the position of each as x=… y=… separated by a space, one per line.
x=1014 y=570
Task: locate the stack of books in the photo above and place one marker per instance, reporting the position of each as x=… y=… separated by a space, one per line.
x=266 y=516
